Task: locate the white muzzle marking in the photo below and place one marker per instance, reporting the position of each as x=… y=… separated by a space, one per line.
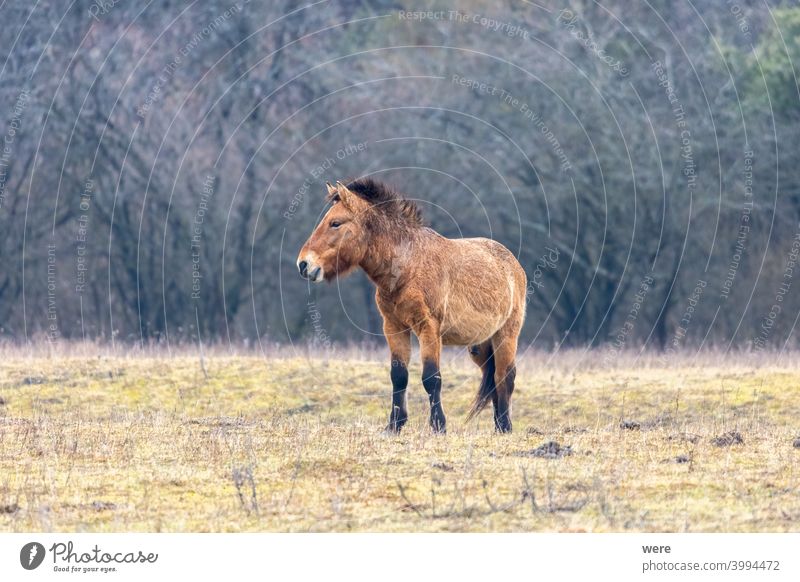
x=311 y=270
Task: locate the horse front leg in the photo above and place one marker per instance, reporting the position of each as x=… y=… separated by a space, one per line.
x=430 y=343
x=399 y=340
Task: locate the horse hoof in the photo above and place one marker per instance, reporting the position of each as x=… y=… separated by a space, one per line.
x=438 y=428
x=393 y=428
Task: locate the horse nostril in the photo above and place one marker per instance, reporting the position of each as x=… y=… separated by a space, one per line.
x=303 y=266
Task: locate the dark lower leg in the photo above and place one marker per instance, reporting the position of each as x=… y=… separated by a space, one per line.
x=502 y=401
x=399 y=414
x=432 y=382
x=495 y=407
x=502 y=416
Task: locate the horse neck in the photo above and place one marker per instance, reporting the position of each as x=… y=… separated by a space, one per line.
x=388 y=256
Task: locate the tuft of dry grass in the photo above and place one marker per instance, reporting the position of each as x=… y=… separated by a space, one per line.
x=148 y=441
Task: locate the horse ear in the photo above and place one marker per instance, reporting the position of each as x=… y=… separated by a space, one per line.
x=346 y=196
x=332 y=191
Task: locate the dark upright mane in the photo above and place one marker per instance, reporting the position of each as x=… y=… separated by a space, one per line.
x=386 y=199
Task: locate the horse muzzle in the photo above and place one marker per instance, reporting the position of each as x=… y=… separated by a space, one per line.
x=309 y=270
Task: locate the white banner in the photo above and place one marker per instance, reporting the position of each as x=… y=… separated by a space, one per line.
x=390 y=557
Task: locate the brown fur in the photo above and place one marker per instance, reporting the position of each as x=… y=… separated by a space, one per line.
x=465 y=292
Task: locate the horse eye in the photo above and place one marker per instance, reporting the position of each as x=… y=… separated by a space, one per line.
x=335 y=224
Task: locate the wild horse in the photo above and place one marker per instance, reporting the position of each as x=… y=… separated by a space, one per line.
x=464 y=292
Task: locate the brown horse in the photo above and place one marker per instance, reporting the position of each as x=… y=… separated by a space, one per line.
x=464 y=292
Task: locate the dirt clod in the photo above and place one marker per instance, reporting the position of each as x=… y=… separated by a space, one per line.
x=103 y=505
x=575 y=430
x=728 y=439
x=630 y=425
x=9 y=509
x=548 y=450
x=34 y=380
x=302 y=409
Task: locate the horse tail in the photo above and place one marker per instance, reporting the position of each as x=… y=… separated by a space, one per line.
x=486 y=391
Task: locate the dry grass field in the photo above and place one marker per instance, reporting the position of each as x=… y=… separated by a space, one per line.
x=290 y=442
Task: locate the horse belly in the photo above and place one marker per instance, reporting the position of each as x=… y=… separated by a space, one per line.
x=470 y=329
x=475 y=315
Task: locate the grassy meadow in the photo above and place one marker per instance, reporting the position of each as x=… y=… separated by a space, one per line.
x=148 y=441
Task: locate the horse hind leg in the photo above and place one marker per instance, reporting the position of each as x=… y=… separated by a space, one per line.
x=504 y=346
x=483 y=356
